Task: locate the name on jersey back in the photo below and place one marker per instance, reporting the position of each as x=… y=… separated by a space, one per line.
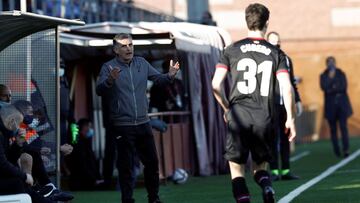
x=255 y=47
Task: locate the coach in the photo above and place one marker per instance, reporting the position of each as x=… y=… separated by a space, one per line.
x=123 y=80
x=337 y=104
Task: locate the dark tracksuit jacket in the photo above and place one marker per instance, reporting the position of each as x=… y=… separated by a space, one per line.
x=127 y=107
x=126 y=98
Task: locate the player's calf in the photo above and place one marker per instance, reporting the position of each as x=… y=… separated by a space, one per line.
x=240 y=190
x=262 y=178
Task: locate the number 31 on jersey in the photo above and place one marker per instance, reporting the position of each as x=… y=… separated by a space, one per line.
x=249 y=86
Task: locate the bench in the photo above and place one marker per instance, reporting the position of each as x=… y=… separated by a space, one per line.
x=18 y=198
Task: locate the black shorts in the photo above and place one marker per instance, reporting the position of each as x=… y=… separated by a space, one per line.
x=246 y=134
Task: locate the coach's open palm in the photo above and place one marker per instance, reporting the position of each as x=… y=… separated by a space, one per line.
x=173 y=68
x=290 y=125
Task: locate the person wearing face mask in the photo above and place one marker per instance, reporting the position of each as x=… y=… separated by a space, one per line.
x=13 y=180
x=337 y=104
x=66 y=110
x=5 y=95
x=281 y=146
x=84 y=171
x=34 y=146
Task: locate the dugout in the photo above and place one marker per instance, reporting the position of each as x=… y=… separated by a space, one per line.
x=29 y=49
x=196 y=143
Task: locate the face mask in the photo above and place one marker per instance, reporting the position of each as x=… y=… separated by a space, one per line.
x=35 y=122
x=28 y=119
x=15 y=132
x=90 y=133
x=331 y=67
x=61 y=72
x=3 y=103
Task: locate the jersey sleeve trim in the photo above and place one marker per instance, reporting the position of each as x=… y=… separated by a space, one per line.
x=282 y=71
x=220 y=65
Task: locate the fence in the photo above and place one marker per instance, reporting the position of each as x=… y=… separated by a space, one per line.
x=91 y=11
x=28 y=68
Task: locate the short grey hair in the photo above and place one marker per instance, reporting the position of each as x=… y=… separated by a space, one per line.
x=121 y=36
x=11 y=117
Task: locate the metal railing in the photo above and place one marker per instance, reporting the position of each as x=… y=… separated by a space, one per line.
x=171 y=115
x=92 y=11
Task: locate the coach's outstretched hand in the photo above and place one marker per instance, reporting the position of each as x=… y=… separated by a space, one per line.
x=173 y=68
x=114 y=74
x=290 y=125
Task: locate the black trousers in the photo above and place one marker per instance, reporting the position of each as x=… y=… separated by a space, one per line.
x=342 y=119
x=12 y=185
x=131 y=141
x=280 y=141
x=110 y=155
x=38 y=169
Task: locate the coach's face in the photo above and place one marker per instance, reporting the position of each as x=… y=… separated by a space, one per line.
x=124 y=49
x=274 y=39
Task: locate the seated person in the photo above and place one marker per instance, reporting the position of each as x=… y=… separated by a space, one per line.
x=12 y=179
x=84 y=171
x=34 y=147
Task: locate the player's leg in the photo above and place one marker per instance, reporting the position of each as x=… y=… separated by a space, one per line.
x=261 y=155
x=239 y=188
x=262 y=178
x=237 y=153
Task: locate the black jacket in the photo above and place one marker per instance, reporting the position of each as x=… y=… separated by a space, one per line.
x=7 y=169
x=335 y=90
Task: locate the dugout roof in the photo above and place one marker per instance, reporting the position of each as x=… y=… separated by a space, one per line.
x=180 y=35
x=15 y=25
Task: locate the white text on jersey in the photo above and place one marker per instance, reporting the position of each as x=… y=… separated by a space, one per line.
x=255 y=47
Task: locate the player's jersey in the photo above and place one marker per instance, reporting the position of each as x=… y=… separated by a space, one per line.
x=253 y=64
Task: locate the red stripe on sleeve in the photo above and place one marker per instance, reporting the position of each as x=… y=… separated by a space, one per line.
x=222 y=66
x=282 y=71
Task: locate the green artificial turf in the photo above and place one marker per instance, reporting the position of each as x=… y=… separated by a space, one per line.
x=341 y=186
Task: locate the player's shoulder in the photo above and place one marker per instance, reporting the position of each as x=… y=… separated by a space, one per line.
x=237 y=44
x=273 y=48
x=278 y=52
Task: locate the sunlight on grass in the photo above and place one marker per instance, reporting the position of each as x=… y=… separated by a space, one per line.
x=342 y=187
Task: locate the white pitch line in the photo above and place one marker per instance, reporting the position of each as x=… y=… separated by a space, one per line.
x=348 y=171
x=318 y=178
x=299 y=156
